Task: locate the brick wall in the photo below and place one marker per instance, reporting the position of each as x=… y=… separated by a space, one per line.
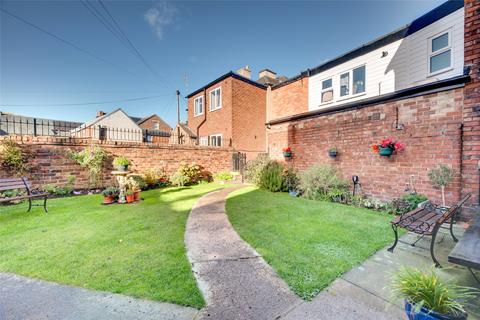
x=218 y=121
x=432 y=135
x=288 y=100
x=471 y=109
x=248 y=118
x=50 y=165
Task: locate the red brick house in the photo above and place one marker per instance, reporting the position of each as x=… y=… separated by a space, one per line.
x=230 y=111
x=419 y=84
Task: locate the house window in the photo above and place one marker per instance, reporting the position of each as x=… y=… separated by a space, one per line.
x=345 y=84
x=215 y=99
x=440 y=53
x=156 y=126
x=354 y=79
x=204 y=141
x=327 y=90
x=358 y=79
x=216 y=140
x=198 y=106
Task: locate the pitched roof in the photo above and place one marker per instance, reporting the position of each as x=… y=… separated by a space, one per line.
x=142 y=120
x=97 y=119
x=187 y=130
x=225 y=76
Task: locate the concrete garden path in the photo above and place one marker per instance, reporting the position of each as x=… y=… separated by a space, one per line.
x=238 y=284
x=23 y=298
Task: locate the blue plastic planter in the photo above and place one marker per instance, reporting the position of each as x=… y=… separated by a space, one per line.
x=425 y=314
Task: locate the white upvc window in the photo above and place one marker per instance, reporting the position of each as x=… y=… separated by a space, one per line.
x=204 y=141
x=439 y=53
x=216 y=99
x=198 y=106
x=353 y=82
x=327 y=90
x=156 y=125
x=216 y=140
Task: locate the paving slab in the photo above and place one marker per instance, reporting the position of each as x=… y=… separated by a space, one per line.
x=23 y=298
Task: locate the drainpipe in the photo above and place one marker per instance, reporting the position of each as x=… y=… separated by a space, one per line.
x=204 y=115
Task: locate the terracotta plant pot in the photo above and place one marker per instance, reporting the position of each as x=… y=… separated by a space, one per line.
x=108 y=199
x=130 y=198
x=136 y=195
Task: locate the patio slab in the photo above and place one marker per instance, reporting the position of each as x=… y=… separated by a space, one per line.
x=37 y=300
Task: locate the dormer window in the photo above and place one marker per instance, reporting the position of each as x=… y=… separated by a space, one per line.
x=198 y=106
x=440 y=53
x=216 y=99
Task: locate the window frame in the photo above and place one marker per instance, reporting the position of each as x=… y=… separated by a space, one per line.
x=219 y=89
x=156 y=125
x=432 y=54
x=350 y=83
x=217 y=135
x=322 y=91
x=195 y=114
x=205 y=139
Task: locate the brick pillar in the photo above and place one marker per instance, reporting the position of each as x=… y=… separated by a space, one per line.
x=471 y=109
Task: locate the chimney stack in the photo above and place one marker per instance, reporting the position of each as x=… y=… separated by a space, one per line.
x=267 y=76
x=100 y=113
x=245 y=72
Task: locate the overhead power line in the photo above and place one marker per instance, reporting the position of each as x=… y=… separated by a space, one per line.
x=111 y=24
x=86 y=103
x=70 y=44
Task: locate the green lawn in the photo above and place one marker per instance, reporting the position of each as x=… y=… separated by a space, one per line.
x=309 y=243
x=136 y=250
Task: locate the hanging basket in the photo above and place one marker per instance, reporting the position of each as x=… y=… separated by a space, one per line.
x=287 y=154
x=385 y=152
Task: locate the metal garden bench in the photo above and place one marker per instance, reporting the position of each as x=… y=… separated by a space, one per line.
x=22 y=183
x=426 y=221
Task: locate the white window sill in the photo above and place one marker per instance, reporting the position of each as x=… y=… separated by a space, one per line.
x=436 y=73
x=198 y=115
x=351 y=96
x=212 y=110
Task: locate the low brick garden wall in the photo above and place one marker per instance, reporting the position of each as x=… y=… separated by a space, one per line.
x=50 y=165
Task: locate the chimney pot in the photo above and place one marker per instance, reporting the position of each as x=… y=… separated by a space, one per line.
x=100 y=114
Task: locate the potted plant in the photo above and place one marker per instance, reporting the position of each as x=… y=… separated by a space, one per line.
x=287 y=152
x=332 y=152
x=130 y=196
x=441 y=177
x=121 y=163
x=387 y=147
x=427 y=297
x=109 y=195
x=134 y=185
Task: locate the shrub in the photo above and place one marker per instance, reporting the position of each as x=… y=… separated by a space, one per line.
x=194 y=172
x=290 y=175
x=13 y=158
x=139 y=180
x=223 y=176
x=92 y=158
x=441 y=177
x=11 y=194
x=111 y=192
x=154 y=177
x=121 y=161
x=254 y=168
x=398 y=206
x=322 y=182
x=57 y=190
x=272 y=178
x=414 y=199
x=178 y=179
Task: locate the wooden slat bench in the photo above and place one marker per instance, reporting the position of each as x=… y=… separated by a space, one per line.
x=467 y=251
x=22 y=183
x=426 y=221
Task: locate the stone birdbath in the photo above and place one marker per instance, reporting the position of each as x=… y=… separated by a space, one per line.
x=121 y=177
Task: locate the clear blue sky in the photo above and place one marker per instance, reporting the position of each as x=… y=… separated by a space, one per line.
x=201 y=39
